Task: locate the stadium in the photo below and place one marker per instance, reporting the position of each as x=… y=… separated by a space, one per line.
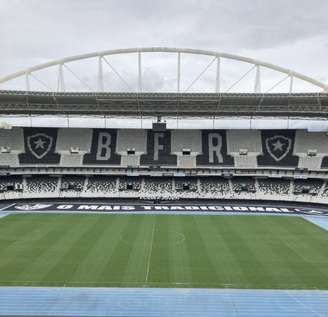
x=128 y=187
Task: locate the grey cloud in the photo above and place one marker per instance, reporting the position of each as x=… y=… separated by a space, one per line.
x=33 y=31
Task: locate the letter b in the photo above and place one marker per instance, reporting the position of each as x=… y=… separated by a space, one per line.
x=104 y=146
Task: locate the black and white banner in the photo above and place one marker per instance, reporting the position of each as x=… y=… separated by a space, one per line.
x=278 y=147
x=212 y=149
x=103 y=148
x=158 y=149
x=40 y=145
x=167 y=208
x=214 y=146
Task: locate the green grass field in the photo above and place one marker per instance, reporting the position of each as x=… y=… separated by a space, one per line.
x=163 y=251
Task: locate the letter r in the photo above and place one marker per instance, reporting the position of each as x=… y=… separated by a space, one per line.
x=215 y=149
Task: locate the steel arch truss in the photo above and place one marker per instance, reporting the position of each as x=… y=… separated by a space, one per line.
x=256 y=65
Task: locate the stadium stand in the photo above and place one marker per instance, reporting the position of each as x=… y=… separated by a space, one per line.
x=324 y=190
x=243 y=184
x=308 y=186
x=72 y=183
x=164 y=145
x=163 y=188
x=129 y=183
x=186 y=184
x=157 y=188
x=170 y=164
x=244 y=146
x=101 y=184
x=11 y=183
x=11 y=144
x=274 y=186
x=41 y=184
x=214 y=187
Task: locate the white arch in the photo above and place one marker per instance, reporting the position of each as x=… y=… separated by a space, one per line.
x=290 y=73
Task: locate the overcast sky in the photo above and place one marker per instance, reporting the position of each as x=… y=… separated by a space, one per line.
x=290 y=33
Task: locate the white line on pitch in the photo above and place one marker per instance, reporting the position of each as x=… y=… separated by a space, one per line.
x=8 y=206
x=150 y=250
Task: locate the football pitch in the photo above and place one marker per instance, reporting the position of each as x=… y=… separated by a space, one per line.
x=262 y=252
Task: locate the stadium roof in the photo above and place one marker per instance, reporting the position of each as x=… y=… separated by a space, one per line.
x=136 y=105
x=164 y=104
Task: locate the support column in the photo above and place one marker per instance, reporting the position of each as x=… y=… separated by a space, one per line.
x=179 y=73
x=257 y=85
x=27 y=81
x=218 y=75
x=139 y=72
x=100 y=75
